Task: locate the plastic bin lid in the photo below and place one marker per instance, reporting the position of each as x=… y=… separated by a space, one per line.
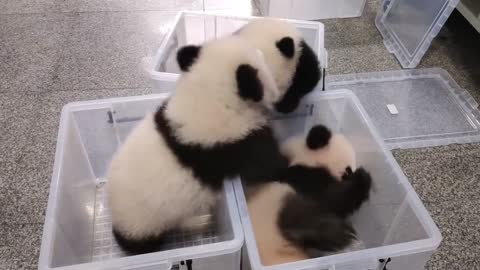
x=409 y=26
x=415 y=108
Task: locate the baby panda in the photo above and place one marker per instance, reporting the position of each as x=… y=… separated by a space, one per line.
x=293 y=63
x=214 y=126
x=291 y=224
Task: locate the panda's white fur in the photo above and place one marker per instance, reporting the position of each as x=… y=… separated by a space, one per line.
x=265 y=203
x=263 y=34
x=298 y=73
x=337 y=155
x=215 y=115
x=149 y=190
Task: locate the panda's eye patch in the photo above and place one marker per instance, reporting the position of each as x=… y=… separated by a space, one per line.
x=286 y=46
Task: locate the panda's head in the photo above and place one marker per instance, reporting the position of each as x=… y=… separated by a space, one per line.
x=321 y=148
x=224 y=90
x=294 y=64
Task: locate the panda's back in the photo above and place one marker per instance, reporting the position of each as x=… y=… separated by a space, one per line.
x=146 y=185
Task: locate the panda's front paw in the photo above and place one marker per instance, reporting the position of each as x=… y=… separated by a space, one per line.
x=347 y=173
x=362 y=179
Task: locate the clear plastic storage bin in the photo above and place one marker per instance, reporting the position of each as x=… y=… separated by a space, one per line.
x=198 y=27
x=77 y=232
x=312 y=9
x=393 y=224
x=409 y=26
x=415 y=108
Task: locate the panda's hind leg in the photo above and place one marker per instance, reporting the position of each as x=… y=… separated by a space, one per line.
x=309 y=226
x=142 y=245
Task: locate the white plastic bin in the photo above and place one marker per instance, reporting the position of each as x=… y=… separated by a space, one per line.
x=392 y=224
x=77 y=232
x=198 y=27
x=312 y=9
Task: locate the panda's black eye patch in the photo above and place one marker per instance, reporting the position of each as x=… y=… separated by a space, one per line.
x=248 y=83
x=318 y=137
x=186 y=56
x=286 y=46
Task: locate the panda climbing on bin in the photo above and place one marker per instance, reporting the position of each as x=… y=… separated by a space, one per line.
x=214 y=126
x=294 y=64
x=292 y=224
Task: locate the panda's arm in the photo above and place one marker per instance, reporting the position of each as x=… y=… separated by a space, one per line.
x=347 y=196
x=309 y=181
x=264 y=158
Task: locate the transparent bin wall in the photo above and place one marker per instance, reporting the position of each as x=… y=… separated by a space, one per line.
x=392 y=223
x=312 y=9
x=77 y=231
x=196 y=28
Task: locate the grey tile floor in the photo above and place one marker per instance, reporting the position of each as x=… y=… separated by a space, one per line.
x=56 y=51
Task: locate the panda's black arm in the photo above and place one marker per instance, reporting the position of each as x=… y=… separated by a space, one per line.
x=309 y=181
x=263 y=158
x=347 y=196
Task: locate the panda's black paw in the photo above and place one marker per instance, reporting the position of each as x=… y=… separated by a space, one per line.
x=347 y=173
x=318 y=137
x=362 y=182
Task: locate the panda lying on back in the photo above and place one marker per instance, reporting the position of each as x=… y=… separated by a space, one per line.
x=290 y=225
x=214 y=126
x=294 y=64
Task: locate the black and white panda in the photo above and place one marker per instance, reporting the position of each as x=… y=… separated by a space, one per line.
x=293 y=63
x=215 y=125
x=292 y=225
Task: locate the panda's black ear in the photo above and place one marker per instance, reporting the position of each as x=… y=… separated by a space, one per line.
x=187 y=55
x=286 y=46
x=318 y=137
x=248 y=83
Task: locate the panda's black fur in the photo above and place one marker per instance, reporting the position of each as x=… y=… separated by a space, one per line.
x=224 y=160
x=304 y=80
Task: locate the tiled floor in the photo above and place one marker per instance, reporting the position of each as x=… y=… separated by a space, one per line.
x=56 y=51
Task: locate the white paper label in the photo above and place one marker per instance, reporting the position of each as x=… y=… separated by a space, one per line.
x=392 y=108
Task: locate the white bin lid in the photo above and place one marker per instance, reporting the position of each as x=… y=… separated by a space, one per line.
x=409 y=26
x=415 y=108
